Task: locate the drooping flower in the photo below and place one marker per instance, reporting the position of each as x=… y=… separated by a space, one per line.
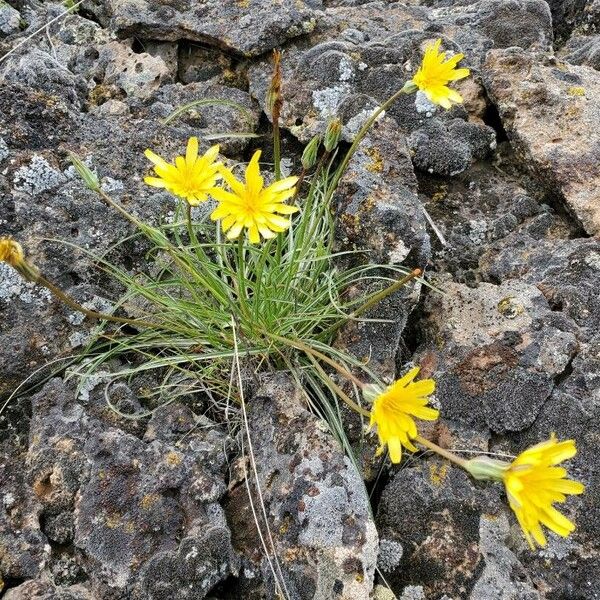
x=534 y=483
x=435 y=73
x=393 y=411
x=192 y=177
x=11 y=252
x=249 y=205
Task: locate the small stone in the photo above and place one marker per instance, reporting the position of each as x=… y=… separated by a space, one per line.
x=10 y=20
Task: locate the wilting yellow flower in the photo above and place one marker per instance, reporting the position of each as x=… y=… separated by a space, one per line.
x=436 y=72
x=534 y=483
x=393 y=411
x=192 y=177
x=11 y=252
x=252 y=206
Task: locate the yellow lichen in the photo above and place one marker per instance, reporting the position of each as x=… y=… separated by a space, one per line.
x=576 y=90
x=173 y=458
x=376 y=164
x=437 y=474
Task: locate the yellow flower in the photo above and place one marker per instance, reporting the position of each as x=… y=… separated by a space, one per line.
x=192 y=177
x=252 y=206
x=435 y=73
x=534 y=483
x=11 y=252
x=393 y=411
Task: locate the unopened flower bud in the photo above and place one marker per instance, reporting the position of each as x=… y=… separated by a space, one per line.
x=89 y=177
x=311 y=151
x=410 y=87
x=273 y=99
x=333 y=133
x=484 y=467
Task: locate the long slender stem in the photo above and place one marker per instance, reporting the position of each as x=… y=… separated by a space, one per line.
x=383 y=294
x=358 y=139
x=92 y=314
x=372 y=301
x=315 y=353
x=337 y=390
x=441 y=451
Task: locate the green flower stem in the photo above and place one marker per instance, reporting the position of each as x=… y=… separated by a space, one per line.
x=189 y=224
x=359 y=137
x=66 y=299
x=442 y=452
x=372 y=301
x=316 y=354
x=241 y=277
x=383 y=294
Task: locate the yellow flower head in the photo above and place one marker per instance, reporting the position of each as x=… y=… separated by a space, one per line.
x=393 y=411
x=192 y=177
x=436 y=72
x=534 y=483
x=249 y=205
x=11 y=252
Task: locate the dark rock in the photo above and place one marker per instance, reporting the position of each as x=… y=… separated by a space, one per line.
x=583 y=50
x=433 y=511
x=129 y=507
x=450 y=149
x=474 y=210
x=324 y=539
x=250 y=28
x=566 y=271
x=379 y=213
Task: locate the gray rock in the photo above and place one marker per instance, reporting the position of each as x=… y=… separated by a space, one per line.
x=42 y=589
x=379 y=213
x=325 y=542
x=130 y=508
x=449 y=149
x=548 y=113
x=474 y=210
x=503 y=576
x=567 y=271
x=495 y=352
x=437 y=523
x=583 y=50
x=10 y=20
x=137 y=74
x=250 y=28
x=42 y=72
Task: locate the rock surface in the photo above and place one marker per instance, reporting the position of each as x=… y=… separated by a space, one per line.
x=495 y=199
x=324 y=541
x=549 y=112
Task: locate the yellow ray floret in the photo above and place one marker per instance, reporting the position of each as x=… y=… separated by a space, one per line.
x=192 y=177
x=251 y=206
x=393 y=411
x=534 y=483
x=435 y=73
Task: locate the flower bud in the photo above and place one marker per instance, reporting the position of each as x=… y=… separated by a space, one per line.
x=11 y=252
x=311 y=151
x=273 y=99
x=410 y=87
x=484 y=467
x=89 y=177
x=371 y=391
x=333 y=133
